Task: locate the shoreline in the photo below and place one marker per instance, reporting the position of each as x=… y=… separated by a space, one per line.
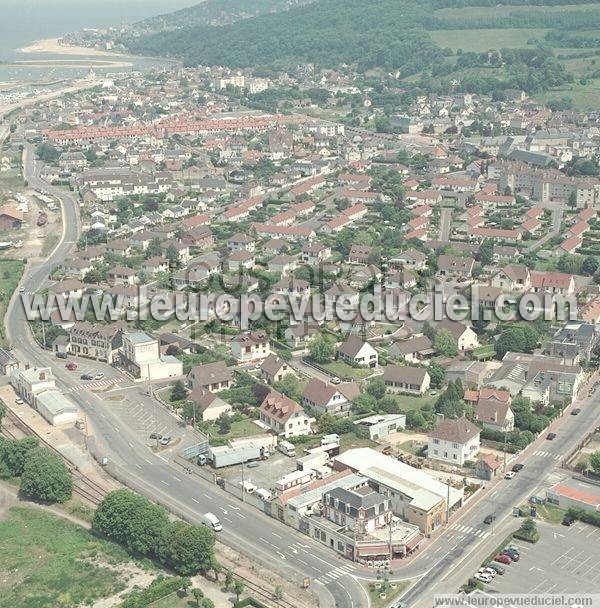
x=52 y=45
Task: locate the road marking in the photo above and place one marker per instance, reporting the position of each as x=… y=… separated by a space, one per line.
x=163 y=481
x=195 y=500
x=277 y=535
x=177 y=478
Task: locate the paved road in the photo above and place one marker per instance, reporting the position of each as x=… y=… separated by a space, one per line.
x=557 y=215
x=542 y=461
x=292 y=555
x=445 y=224
x=265 y=539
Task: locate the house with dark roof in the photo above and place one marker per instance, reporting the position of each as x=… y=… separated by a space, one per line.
x=356 y=351
x=413 y=350
x=492 y=409
x=406 y=379
x=453 y=441
x=274 y=368
x=212 y=377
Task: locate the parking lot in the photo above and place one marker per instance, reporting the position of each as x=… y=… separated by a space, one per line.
x=564 y=560
x=265 y=474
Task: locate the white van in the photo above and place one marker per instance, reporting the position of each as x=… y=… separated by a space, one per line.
x=264 y=494
x=287 y=448
x=210 y=520
x=248 y=486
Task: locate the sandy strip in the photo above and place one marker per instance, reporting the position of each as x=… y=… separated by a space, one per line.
x=72 y=63
x=51 y=45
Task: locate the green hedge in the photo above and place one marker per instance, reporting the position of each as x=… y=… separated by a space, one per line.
x=249 y=601
x=589 y=517
x=160 y=588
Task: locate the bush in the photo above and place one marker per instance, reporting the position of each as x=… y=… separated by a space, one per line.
x=159 y=588
x=45 y=477
x=589 y=517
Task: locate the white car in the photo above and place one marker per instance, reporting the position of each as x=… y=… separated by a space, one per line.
x=490 y=571
x=509 y=475
x=99 y=376
x=484 y=578
x=18 y=401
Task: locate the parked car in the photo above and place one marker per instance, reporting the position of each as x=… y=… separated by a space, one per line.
x=71 y=366
x=253 y=465
x=484 y=578
x=335 y=380
x=575 y=411
x=513 y=548
x=489 y=571
x=551 y=436
x=503 y=558
x=18 y=400
x=497 y=567
x=518 y=467
x=514 y=555
x=61 y=355
x=489 y=519
x=99 y=376
x=87 y=377
x=166 y=440
x=568 y=520
x=509 y=475
x=155 y=436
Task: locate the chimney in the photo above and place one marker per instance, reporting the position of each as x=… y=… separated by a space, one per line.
x=42 y=375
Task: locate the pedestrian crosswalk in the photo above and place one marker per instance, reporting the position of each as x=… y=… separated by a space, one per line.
x=545 y=454
x=95 y=384
x=333 y=575
x=469 y=530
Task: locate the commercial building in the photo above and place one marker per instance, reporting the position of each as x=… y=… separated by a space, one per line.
x=141 y=357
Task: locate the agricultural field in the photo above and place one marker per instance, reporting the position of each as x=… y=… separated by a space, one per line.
x=480 y=40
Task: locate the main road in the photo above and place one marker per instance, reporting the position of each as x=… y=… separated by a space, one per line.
x=261 y=538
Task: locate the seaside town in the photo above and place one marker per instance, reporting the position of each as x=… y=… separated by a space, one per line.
x=370 y=456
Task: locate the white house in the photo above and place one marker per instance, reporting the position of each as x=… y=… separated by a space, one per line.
x=454 y=441
x=357 y=352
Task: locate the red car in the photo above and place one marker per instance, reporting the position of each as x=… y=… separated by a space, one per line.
x=71 y=366
x=503 y=558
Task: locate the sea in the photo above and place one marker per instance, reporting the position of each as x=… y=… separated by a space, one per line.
x=23 y=22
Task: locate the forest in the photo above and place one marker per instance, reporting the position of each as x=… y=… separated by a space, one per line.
x=393 y=35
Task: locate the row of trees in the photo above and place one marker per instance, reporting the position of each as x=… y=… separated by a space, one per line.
x=144 y=528
x=43 y=475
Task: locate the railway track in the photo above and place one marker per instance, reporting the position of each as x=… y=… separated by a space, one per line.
x=84 y=487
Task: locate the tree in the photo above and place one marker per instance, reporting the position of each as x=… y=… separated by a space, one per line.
x=289 y=385
x=131 y=520
x=2 y=412
x=13 y=455
x=445 y=343
x=191 y=550
x=228 y=580
x=595 y=462
x=186 y=583
x=207 y=603
x=321 y=349
x=376 y=388
x=178 y=392
x=238 y=589
x=590 y=265
x=486 y=252
x=45 y=477
x=224 y=423
x=364 y=403
x=198 y=595
x=437 y=374
x=510 y=340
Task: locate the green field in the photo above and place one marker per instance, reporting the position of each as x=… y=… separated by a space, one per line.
x=343 y=370
x=49 y=562
x=411 y=402
x=480 y=40
x=10 y=275
x=484 y=12
x=584 y=96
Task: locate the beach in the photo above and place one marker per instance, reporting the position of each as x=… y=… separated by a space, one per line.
x=53 y=46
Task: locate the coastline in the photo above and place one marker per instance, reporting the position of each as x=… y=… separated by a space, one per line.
x=51 y=45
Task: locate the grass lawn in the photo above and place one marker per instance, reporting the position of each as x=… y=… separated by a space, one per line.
x=584 y=96
x=411 y=402
x=390 y=593
x=47 y=561
x=478 y=41
x=243 y=428
x=411 y=448
x=349 y=441
x=550 y=513
x=343 y=370
x=10 y=274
